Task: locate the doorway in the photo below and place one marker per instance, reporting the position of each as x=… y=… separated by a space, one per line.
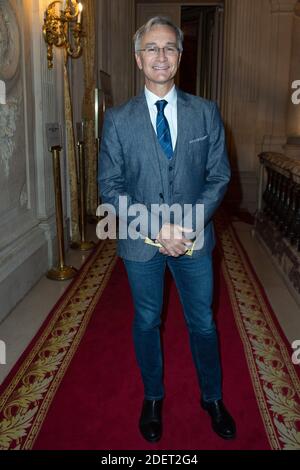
x=201 y=66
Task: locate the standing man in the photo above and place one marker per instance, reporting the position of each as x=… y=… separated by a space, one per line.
x=168 y=147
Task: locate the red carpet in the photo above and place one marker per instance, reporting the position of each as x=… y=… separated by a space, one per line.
x=72 y=390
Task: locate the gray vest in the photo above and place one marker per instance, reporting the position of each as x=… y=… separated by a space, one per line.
x=167 y=171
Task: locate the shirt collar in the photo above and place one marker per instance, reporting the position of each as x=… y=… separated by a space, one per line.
x=170 y=97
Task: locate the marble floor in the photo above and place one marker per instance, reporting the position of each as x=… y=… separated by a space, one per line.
x=18 y=329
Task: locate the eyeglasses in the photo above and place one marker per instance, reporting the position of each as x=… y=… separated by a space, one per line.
x=154 y=50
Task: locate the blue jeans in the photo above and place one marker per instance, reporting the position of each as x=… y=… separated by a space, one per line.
x=194 y=281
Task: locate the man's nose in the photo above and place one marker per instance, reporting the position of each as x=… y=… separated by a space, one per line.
x=162 y=54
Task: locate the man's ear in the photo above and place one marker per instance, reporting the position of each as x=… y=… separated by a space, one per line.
x=179 y=59
x=139 y=61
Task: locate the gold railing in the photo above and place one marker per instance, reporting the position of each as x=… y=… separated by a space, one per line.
x=280 y=194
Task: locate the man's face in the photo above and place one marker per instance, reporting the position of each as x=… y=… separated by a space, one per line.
x=160 y=68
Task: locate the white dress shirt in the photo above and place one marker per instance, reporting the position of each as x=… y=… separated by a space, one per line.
x=170 y=110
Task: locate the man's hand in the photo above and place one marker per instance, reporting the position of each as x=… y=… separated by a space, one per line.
x=173 y=241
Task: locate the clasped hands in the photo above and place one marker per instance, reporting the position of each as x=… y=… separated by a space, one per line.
x=173 y=241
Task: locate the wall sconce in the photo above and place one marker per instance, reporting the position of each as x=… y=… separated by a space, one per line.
x=63 y=30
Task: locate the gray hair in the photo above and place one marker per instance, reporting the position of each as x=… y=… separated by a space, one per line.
x=157 y=21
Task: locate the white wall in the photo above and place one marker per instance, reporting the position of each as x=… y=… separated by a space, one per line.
x=256 y=87
x=115 y=29
x=34 y=97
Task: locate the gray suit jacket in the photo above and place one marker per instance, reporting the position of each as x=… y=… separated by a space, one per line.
x=129 y=165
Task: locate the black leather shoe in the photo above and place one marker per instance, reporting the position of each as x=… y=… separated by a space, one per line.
x=150 y=421
x=221 y=421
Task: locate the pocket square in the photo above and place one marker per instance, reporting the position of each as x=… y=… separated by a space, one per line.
x=199 y=139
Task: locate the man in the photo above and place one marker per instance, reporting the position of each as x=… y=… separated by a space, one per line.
x=165 y=146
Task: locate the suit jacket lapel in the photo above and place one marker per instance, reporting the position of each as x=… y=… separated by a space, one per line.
x=182 y=128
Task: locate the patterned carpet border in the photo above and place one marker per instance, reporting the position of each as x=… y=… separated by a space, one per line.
x=275 y=381
x=29 y=392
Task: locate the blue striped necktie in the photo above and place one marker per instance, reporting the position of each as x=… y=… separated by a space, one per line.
x=163 y=129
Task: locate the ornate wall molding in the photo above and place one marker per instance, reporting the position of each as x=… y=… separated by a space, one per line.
x=9 y=116
x=10 y=56
x=9 y=44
